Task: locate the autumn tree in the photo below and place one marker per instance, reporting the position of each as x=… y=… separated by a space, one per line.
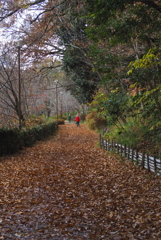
x=32 y=83
x=9 y=100
x=56 y=29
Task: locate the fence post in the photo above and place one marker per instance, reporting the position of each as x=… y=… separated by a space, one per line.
x=132 y=157
x=125 y=150
x=143 y=160
x=128 y=156
x=137 y=160
x=109 y=145
x=105 y=146
x=100 y=141
x=120 y=149
x=117 y=148
x=155 y=164
x=148 y=162
x=113 y=145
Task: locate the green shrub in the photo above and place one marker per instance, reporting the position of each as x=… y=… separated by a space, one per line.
x=131 y=134
x=13 y=140
x=61 y=121
x=10 y=141
x=95 y=122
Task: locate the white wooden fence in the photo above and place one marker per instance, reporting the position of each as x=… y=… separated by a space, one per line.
x=143 y=160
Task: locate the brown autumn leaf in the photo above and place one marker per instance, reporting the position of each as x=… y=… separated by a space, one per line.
x=68 y=188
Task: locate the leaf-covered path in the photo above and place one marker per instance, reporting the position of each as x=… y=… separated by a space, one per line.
x=68 y=188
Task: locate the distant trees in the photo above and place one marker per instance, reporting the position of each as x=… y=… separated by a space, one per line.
x=38 y=89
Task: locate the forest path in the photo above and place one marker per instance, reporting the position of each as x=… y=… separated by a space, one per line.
x=67 y=188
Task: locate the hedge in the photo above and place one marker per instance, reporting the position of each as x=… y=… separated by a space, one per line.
x=12 y=140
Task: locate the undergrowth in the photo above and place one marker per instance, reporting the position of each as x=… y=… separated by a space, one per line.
x=135 y=133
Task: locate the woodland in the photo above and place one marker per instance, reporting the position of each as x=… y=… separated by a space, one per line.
x=105 y=53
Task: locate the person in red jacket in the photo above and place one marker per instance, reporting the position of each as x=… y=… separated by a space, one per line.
x=77 y=120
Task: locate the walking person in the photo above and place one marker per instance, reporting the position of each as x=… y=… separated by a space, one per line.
x=69 y=118
x=77 y=120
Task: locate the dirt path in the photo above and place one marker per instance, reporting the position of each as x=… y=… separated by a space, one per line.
x=67 y=188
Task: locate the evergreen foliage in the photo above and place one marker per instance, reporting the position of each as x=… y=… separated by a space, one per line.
x=13 y=140
x=126 y=36
x=80 y=73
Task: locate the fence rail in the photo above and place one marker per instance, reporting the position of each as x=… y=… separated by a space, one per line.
x=143 y=160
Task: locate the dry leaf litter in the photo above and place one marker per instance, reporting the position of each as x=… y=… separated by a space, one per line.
x=67 y=188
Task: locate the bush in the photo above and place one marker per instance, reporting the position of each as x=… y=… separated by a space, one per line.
x=131 y=134
x=83 y=117
x=13 y=140
x=95 y=122
x=10 y=141
x=37 y=133
x=61 y=121
x=34 y=120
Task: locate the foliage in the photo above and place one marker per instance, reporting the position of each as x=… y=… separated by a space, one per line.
x=61 y=121
x=83 y=116
x=148 y=60
x=33 y=120
x=10 y=141
x=79 y=71
x=113 y=105
x=126 y=52
x=98 y=103
x=13 y=140
x=132 y=133
x=137 y=133
x=95 y=121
